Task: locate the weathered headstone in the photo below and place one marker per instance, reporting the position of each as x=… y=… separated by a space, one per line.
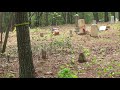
x=44 y=54
x=116 y=20
x=41 y=35
x=102 y=28
x=77 y=29
x=71 y=33
x=56 y=32
x=76 y=20
x=81 y=58
x=112 y=19
x=81 y=25
x=94 y=22
x=94 y=30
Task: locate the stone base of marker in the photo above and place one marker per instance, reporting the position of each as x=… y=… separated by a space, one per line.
x=77 y=29
x=94 y=30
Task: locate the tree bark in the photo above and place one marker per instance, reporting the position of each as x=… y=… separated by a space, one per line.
x=119 y=15
x=82 y=15
x=30 y=19
x=7 y=33
x=106 y=17
x=66 y=17
x=26 y=67
x=1 y=31
x=46 y=18
x=95 y=14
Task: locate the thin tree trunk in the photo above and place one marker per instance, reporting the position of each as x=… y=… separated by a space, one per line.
x=119 y=15
x=1 y=31
x=7 y=33
x=46 y=18
x=83 y=15
x=30 y=19
x=95 y=14
x=106 y=17
x=66 y=17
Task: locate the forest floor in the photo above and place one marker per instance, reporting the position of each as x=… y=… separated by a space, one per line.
x=102 y=54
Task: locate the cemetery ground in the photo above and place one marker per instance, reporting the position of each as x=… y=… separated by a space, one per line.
x=62 y=51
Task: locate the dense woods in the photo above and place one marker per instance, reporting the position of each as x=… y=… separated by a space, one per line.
x=41 y=19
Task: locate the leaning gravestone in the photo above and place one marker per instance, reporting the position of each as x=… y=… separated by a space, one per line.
x=112 y=19
x=102 y=28
x=81 y=25
x=94 y=30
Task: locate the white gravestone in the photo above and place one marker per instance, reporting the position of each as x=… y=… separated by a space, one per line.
x=116 y=20
x=102 y=28
x=112 y=19
x=94 y=22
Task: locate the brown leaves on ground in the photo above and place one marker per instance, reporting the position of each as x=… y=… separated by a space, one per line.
x=103 y=61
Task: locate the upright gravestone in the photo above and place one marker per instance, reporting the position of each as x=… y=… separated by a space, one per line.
x=71 y=33
x=81 y=25
x=94 y=22
x=94 y=30
x=76 y=20
x=116 y=20
x=76 y=23
x=112 y=19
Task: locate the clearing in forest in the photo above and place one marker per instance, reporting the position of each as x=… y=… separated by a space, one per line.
x=102 y=54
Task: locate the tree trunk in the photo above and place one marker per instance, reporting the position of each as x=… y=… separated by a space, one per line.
x=37 y=19
x=46 y=18
x=1 y=31
x=119 y=15
x=30 y=19
x=106 y=17
x=26 y=67
x=95 y=14
x=113 y=14
x=7 y=33
x=66 y=17
x=82 y=15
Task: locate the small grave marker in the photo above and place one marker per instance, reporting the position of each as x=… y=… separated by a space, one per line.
x=94 y=30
